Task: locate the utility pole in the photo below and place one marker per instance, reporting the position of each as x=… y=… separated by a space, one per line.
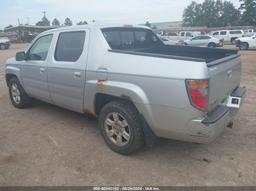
x=44 y=12
x=27 y=20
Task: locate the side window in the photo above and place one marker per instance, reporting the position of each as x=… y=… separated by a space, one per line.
x=189 y=34
x=235 y=32
x=70 y=46
x=223 y=33
x=197 y=38
x=40 y=48
x=205 y=37
x=215 y=33
x=182 y=34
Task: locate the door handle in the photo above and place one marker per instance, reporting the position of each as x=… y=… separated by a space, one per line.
x=42 y=70
x=77 y=74
x=102 y=69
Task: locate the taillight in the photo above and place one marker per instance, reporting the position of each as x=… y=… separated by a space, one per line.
x=198 y=92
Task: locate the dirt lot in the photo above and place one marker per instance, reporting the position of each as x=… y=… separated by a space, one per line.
x=47 y=145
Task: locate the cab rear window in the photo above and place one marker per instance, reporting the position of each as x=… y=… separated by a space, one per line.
x=120 y=38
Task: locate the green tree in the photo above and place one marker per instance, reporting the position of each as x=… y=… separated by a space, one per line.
x=56 y=22
x=44 y=22
x=82 y=23
x=248 y=8
x=192 y=14
x=68 y=22
x=211 y=13
x=231 y=16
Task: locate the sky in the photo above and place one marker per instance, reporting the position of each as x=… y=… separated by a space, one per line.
x=102 y=11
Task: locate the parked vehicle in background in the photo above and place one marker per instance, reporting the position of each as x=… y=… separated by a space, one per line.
x=229 y=36
x=204 y=41
x=167 y=41
x=249 y=32
x=187 y=35
x=4 y=43
x=246 y=43
x=138 y=87
x=170 y=35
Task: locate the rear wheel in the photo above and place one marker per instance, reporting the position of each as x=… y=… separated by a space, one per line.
x=121 y=127
x=243 y=46
x=18 y=96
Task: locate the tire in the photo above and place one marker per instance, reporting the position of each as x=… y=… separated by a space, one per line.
x=117 y=120
x=233 y=40
x=243 y=46
x=2 y=47
x=211 y=45
x=18 y=96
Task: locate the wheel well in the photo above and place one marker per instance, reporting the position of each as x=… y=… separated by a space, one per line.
x=102 y=99
x=9 y=77
x=233 y=38
x=212 y=43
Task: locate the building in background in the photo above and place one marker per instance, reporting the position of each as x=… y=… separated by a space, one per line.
x=24 y=33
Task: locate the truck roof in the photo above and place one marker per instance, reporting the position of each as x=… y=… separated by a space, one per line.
x=95 y=26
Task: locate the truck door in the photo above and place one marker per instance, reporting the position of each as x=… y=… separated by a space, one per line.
x=34 y=68
x=66 y=73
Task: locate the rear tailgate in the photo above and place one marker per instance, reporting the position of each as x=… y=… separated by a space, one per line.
x=225 y=76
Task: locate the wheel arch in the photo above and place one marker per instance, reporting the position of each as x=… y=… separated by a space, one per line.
x=8 y=77
x=107 y=91
x=12 y=71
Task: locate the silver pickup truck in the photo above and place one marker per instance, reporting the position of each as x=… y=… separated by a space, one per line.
x=138 y=87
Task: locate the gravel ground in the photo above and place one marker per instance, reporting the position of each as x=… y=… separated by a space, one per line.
x=47 y=145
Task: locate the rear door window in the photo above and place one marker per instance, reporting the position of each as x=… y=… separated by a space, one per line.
x=70 y=46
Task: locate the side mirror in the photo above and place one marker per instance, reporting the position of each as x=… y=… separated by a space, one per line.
x=20 y=56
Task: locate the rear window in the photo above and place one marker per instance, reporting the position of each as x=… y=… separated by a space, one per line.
x=130 y=38
x=70 y=46
x=235 y=32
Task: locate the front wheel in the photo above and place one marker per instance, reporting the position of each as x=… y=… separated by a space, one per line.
x=211 y=45
x=121 y=127
x=2 y=47
x=243 y=46
x=18 y=96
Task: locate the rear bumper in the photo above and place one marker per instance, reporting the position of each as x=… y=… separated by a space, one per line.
x=210 y=127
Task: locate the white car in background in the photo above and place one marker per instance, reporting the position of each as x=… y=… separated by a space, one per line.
x=4 y=43
x=204 y=41
x=246 y=43
x=228 y=35
x=167 y=41
x=249 y=32
x=170 y=35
